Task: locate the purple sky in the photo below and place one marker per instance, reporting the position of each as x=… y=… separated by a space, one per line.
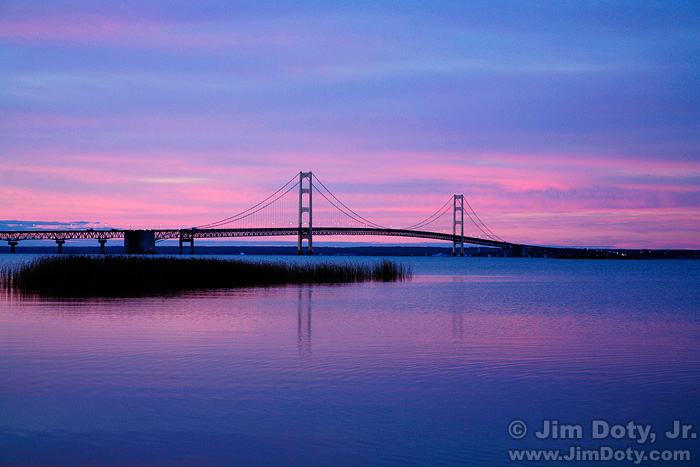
x=563 y=123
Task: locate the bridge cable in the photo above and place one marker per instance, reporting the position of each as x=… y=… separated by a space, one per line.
x=429 y=220
x=348 y=211
x=240 y=214
x=477 y=225
x=250 y=211
x=488 y=236
x=444 y=209
x=357 y=216
x=262 y=207
x=343 y=212
x=482 y=222
x=427 y=223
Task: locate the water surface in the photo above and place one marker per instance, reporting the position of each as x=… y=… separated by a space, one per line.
x=425 y=372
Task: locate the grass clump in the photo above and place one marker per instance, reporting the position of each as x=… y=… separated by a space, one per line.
x=76 y=275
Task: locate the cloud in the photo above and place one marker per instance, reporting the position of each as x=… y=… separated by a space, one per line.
x=9 y=225
x=173 y=180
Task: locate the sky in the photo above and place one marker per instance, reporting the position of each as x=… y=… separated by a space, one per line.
x=572 y=123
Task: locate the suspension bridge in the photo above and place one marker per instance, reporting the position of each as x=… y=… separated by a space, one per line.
x=303 y=207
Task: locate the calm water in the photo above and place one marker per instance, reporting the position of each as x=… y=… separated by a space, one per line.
x=426 y=372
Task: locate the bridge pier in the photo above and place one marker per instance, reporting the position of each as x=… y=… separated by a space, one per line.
x=102 y=242
x=60 y=245
x=187 y=240
x=139 y=241
x=13 y=244
x=309 y=249
x=517 y=250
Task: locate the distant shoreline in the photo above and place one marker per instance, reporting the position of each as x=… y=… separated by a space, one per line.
x=567 y=253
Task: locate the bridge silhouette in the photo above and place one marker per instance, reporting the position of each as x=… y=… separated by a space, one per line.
x=290 y=211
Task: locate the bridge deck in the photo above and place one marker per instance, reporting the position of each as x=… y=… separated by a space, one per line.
x=189 y=234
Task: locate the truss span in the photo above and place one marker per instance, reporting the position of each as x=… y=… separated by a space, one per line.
x=89 y=234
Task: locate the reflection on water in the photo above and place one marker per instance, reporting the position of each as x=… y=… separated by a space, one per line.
x=457 y=324
x=425 y=372
x=304 y=321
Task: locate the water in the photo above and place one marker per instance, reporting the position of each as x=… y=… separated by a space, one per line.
x=426 y=372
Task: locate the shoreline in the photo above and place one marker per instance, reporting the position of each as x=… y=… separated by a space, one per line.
x=378 y=251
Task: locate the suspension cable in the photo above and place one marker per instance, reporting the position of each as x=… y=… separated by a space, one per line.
x=477 y=225
x=252 y=213
x=482 y=222
x=428 y=222
x=437 y=214
x=240 y=215
x=351 y=217
x=347 y=211
x=357 y=216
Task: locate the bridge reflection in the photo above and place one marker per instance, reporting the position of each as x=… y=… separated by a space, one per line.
x=304 y=321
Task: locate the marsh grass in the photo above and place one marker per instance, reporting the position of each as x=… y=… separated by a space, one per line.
x=77 y=275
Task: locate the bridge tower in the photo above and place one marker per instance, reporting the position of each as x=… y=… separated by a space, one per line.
x=458 y=219
x=305 y=232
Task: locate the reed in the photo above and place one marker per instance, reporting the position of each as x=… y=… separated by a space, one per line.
x=79 y=275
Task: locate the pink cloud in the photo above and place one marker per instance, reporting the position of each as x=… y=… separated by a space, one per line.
x=179 y=188
x=130 y=29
